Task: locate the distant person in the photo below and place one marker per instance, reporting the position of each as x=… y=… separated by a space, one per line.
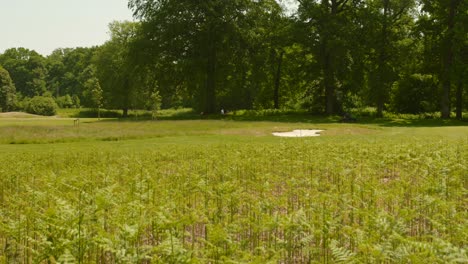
x=222 y=111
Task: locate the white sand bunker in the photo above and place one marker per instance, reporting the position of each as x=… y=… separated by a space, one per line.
x=299 y=133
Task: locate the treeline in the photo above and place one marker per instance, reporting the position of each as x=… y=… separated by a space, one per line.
x=327 y=56
x=62 y=75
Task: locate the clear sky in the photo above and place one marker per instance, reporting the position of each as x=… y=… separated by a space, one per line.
x=44 y=25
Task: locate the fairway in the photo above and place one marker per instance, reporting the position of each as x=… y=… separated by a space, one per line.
x=225 y=191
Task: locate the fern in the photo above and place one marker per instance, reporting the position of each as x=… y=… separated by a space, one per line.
x=66 y=258
x=451 y=253
x=341 y=254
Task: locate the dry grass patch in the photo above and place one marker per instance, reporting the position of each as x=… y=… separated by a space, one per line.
x=19 y=115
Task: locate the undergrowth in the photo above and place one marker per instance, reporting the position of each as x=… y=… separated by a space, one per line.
x=295 y=201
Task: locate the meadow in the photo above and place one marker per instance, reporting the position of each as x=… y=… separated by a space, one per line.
x=224 y=190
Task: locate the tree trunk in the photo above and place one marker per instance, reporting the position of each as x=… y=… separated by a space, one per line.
x=329 y=94
x=248 y=104
x=210 y=87
x=448 y=61
x=381 y=86
x=446 y=84
x=460 y=99
x=125 y=112
x=278 y=80
x=328 y=78
x=327 y=64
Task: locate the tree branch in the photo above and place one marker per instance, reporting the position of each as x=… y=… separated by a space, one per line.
x=398 y=14
x=341 y=5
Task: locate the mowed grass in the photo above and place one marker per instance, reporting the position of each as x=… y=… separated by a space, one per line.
x=53 y=130
x=227 y=191
x=40 y=130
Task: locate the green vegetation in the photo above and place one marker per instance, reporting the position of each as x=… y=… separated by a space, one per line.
x=7 y=91
x=41 y=105
x=185 y=169
x=325 y=57
x=226 y=191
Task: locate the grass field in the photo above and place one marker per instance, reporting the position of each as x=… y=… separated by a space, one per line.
x=223 y=190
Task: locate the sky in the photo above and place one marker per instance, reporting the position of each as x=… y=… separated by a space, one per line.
x=45 y=25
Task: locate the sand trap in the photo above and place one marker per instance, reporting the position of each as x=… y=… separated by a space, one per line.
x=299 y=133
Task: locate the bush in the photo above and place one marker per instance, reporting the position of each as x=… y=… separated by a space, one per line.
x=414 y=94
x=65 y=101
x=76 y=101
x=40 y=105
x=92 y=113
x=21 y=102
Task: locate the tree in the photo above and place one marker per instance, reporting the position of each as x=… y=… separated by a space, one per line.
x=445 y=22
x=66 y=68
x=7 y=91
x=27 y=70
x=119 y=76
x=460 y=61
x=387 y=22
x=278 y=37
x=327 y=27
x=194 y=34
x=96 y=94
x=155 y=103
x=56 y=69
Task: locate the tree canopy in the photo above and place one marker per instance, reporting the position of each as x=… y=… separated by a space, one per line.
x=327 y=57
x=7 y=91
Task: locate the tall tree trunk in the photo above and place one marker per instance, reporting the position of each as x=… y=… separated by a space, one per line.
x=460 y=99
x=127 y=97
x=327 y=61
x=210 y=87
x=248 y=104
x=381 y=86
x=328 y=78
x=329 y=82
x=278 y=80
x=448 y=61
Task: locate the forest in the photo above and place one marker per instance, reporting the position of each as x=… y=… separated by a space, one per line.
x=326 y=57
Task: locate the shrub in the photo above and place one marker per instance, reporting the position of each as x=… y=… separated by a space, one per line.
x=21 y=102
x=415 y=94
x=40 y=105
x=76 y=101
x=65 y=101
x=92 y=113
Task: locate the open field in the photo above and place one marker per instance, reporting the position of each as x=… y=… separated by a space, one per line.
x=227 y=191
